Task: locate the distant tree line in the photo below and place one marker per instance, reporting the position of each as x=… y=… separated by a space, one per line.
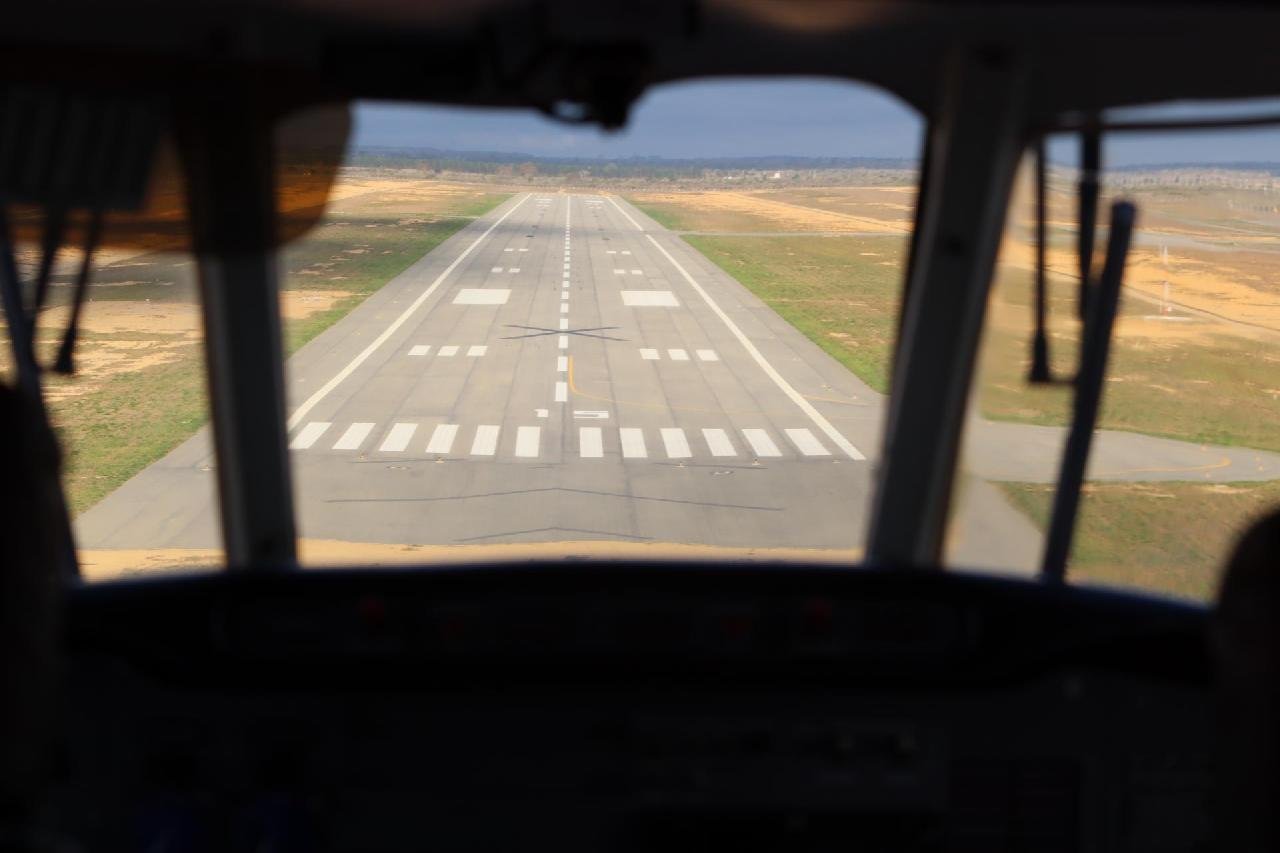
x=649 y=168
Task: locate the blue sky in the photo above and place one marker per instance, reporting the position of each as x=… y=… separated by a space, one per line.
x=744 y=118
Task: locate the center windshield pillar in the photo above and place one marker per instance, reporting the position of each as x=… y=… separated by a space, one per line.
x=974 y=143
x=228 y=157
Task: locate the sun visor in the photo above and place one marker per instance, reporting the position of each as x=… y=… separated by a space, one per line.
x=77 y=153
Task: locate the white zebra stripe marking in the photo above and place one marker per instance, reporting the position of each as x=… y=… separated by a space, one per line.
x=590 y=443
x=420 y=349
x=447 y=352
x=676 y=444
x=678 y=355
x=564 y=342
x=806 y=443
x=562 y=392
x=761 y=443
x=354 y=436
x=486 y=441
x=527 y=438
x=718 y=442
x=708 y=355
x=649 y=354
x=442 y=438
x=398 y=438
x=308 y=435
x=477 y=350
x=562 y=363
x=632 y=439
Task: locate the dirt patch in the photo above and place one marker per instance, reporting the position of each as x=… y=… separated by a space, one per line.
x=716 y=210
x=94 y=365
x=300 y=304
x=110 y=317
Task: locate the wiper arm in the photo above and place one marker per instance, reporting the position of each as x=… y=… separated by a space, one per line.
x=1095 y=347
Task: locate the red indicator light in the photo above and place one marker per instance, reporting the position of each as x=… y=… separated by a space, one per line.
x=818 y=616
x=372 y=610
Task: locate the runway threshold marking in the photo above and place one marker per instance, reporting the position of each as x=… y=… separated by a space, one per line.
x=308 y=436
x=307 y=405
x=795 y=396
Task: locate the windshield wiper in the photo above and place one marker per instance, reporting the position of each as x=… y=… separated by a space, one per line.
x=1104 y=301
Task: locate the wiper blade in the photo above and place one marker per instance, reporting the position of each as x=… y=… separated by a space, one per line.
x=1095 y=348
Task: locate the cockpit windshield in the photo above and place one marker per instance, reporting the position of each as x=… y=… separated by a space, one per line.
x=509 y=337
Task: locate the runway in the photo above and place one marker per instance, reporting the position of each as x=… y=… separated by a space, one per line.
x=563 y=369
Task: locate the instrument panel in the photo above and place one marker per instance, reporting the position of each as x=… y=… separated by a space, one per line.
x=624 y=710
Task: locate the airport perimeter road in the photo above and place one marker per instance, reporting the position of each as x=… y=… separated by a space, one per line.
x=563 y=369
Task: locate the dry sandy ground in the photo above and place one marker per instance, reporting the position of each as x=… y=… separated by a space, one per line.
x=430 y=193
x=317 y=553
x=146 y=334
x=125 y=336
x=1216 y=259
x=1194 y=283
x=721 y=209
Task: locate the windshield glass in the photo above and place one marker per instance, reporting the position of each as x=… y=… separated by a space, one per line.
x=511 y=338
x=514 y=338
x=1188 y=450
